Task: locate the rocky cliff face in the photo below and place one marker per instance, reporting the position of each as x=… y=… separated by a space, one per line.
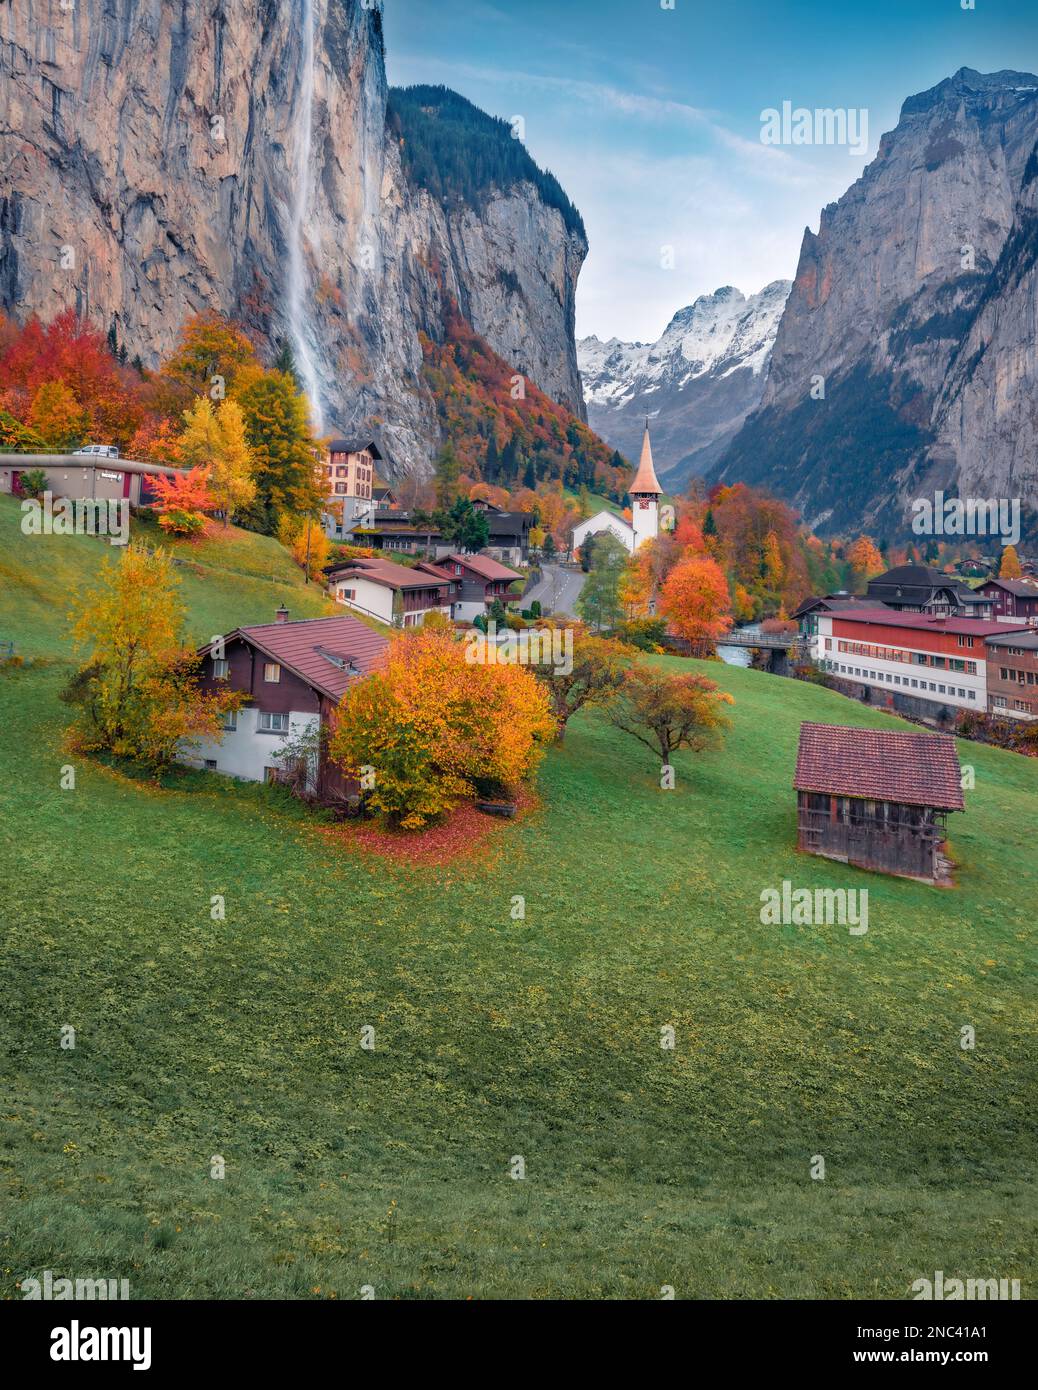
x=157 y=159
x=696 y=383
x=910 y=310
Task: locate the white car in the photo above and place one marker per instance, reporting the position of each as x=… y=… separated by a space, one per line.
x=106 y=451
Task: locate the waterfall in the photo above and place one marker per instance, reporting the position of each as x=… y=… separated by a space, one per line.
x=300 y=328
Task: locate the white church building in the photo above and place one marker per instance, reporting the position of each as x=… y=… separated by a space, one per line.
x=644 y=493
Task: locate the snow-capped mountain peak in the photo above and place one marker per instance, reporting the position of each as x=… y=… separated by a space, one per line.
x=698 y=381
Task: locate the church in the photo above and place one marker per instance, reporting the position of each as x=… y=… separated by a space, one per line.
x=644 y=493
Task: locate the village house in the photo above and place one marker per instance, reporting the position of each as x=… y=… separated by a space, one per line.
x=1013 y=674
x=393 y=529
x=482 y=580
x=877 y=798
x=395 y=594
x=389 y=529
x=1012 y=598
x=923 y=666
x=807 y=615
x=509 y=538
x=349 y=483
x=78 y=477
x=920 y=589
x=296 y=673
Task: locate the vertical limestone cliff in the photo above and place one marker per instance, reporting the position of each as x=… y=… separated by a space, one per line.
x=159 y=158
x=915 y=303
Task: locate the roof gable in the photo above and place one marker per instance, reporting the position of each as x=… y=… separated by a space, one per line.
x=914 y=769
x=328 y=654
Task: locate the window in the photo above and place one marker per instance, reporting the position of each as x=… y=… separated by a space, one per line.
x=999 y=702
x=229 y=721
x=221 y=668
x=347 y=593
x=965 y=641
x=271 y=672
x=973 y=694
x=210 y=764
x=340 y=489
x=272 y=723
x=342 y=472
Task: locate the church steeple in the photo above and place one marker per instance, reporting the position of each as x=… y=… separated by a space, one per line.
x=645 y=480
x=644 y=493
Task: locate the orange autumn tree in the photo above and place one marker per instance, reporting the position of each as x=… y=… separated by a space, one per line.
x=433 y=724
x=864 y=558
x=182 y=500
x=694 y=599
x=1010 y=566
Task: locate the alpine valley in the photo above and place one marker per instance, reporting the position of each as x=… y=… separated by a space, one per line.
x=915 y=305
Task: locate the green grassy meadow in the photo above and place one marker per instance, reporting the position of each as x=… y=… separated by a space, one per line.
x=495 y=1037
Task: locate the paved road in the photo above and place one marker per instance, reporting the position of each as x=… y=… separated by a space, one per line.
x=557 y=591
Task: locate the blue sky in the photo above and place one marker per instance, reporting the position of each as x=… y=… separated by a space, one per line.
x=651 y=117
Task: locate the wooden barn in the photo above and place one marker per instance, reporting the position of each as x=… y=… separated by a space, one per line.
x=877 y=798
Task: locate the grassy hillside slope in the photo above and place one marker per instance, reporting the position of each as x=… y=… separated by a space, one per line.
x=234 y=577
x=496 y=1038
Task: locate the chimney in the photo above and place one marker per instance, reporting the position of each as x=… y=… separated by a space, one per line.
x=281 y=616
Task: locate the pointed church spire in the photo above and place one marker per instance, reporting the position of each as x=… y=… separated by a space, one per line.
x=645 y=480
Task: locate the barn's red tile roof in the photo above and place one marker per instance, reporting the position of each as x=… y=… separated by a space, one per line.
x=484 y=566
x=880 y=764
x=314 y=648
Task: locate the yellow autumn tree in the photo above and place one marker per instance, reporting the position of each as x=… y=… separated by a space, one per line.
x=136 y=686
x=214 y=439
x=305 y=538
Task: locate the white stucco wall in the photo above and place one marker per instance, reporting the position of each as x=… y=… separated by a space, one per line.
x=245 y=752
x=898 y=676
x=370 y=598
x=603 y=521
x=646 y=513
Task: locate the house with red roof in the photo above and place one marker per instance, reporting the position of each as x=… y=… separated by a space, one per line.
x=400 y=595
x=295 y=674
x=481 y=580
x=877 y=798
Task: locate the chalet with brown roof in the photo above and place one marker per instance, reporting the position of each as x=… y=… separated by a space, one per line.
x=877 y=798
x=482 y=580
x=1012 y=598
x=399 y=595
x=295 y=673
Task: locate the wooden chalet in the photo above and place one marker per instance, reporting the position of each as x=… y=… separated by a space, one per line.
x=877 y=798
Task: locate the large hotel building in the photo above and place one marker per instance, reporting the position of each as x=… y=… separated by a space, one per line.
x=924 y=663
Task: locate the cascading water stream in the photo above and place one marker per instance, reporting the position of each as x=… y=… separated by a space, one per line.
x=300 y=329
